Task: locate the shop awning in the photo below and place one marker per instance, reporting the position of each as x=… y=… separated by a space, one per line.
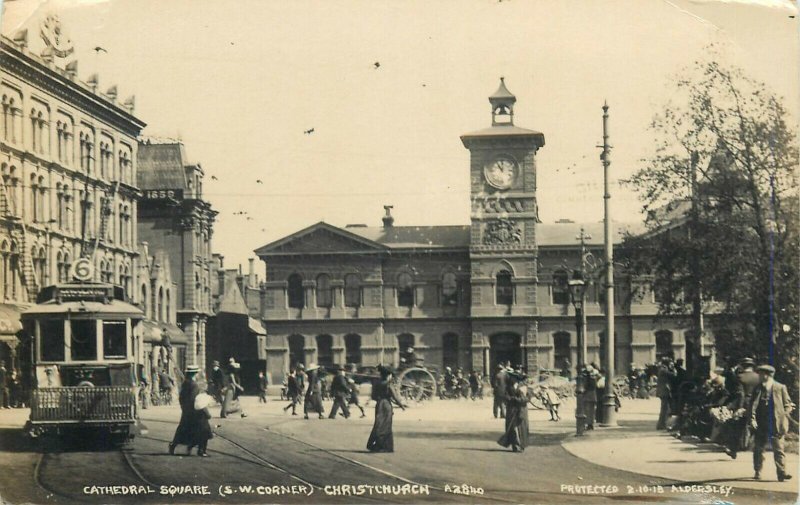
x=152 y=332
x=255 y=326
x=10 y=323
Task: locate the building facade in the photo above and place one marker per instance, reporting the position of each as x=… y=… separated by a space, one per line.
x=460 y=296
x=174 y=217
x=68 y=167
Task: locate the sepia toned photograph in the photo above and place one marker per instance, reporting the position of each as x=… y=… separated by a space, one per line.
x=419 y=252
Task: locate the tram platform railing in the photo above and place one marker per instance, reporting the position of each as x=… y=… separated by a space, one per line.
x=83 y=404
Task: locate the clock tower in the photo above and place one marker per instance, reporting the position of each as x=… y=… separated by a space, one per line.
x=503 y=252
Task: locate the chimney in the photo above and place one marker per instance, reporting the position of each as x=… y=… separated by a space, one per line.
x=251 y=273
x=388 y=220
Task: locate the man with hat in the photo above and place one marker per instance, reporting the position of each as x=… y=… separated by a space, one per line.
x=340 y=391
x=769 y=417
x=666 y=376
x=747 y=381
x=499 y=392
x=217 y=381
x=185 y=433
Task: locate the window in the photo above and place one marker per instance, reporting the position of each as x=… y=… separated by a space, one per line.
x=449 y=289
x=450 y=350
x=504 y=289
x=324 y=293
x=294 y=292
x=352 y=348
x=560 y=287
x=115 y=342
x=84 y=340
x=324 y=350
x=352 y=290
x=296 y=350
x=664 y=345
x=561 y=350
x=405 y=291
x=51 y=339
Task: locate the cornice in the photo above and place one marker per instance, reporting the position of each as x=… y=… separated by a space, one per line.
x=25 y=67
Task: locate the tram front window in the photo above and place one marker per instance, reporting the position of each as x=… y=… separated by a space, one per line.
x=114 y=340
x=51 y=340
x=84 y=340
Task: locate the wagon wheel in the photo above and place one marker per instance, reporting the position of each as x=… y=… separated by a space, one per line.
x=417 y=384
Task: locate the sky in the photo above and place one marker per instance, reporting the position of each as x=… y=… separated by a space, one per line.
x=239 y=82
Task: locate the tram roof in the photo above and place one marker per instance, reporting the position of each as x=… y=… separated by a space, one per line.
x=82 y=309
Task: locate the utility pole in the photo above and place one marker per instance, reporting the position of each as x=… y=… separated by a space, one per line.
x=609 y=403
x=696 y=350
x=583 y=237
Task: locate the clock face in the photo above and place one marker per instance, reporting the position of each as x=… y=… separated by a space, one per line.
x=500 y=173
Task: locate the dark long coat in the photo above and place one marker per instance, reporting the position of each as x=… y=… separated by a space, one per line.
x=381 y=439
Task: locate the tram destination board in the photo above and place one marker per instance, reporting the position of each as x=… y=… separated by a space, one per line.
x=78 y=292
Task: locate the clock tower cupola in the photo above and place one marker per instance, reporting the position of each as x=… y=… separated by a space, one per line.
x=503 y=252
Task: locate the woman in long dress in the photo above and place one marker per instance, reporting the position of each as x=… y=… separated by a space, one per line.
x=187 y=429
x=381 y=438
x=516 y=434
x=313 y=401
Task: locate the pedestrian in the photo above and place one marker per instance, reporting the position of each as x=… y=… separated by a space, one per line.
x=187 y=432
x=165 y=385
x=516 y=432
x=293 y=391
x=746 y=383
x=381 y=438
x=313 y=400
x=231 y=390
x=600 y=395
x=263 y=382
x=499 y=392
x=566 y=369
x=4 y=393
x=474 y=384
x=769 y=418
x=353 y=400
x=217 y=382
x=203 y=431
x=340 y=391
x=666 y=374
x=552 y=401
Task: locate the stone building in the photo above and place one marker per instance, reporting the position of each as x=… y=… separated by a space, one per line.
x=68 y=164
x=174 y=217
x=469 y=296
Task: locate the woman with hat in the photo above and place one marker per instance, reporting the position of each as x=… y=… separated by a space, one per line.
x=516 y=434
x=381 y=439
x=313 y=401
x=187 y=432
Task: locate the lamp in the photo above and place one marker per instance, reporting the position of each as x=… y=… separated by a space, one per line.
x=577 y=292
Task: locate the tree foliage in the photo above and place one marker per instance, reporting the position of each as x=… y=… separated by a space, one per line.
x=720 y=193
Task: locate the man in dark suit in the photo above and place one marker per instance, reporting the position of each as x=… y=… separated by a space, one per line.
x=340 y=390
x=769 y=417
x=499 y=390
x=217 y=381
x=293 y=390
x=666 y=375
x=746 y=383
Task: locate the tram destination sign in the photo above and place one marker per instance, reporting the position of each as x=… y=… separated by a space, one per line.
x=78 y=293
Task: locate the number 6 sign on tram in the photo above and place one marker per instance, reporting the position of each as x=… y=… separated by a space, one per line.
x=82 y=270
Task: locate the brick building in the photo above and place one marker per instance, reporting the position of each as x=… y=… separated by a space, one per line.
x=467 y=296
x=174 y=217
x=68 y=167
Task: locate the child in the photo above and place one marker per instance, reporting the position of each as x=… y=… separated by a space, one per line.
x=354 y=396
x=552 y=401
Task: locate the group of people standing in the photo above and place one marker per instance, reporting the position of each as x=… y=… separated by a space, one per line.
x=741 y=409
x=306 y=385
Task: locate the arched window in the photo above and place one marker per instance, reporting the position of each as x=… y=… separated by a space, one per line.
x=160 y=304
x=294 y=292
x=168 y=306
x=561 y=350
x=352 y=348
x=143 y=300
x=664 y=345
x=405 y=290
x=14 y=273
x=449 y=289
x=504 y=289
x=352 y=290
x=324 y=292
x=324 y=350
x=450 y=350
x=560 y=287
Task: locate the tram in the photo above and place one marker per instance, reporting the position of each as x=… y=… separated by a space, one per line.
x=84 y=364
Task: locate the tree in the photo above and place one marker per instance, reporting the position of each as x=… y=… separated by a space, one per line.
x=720 y=193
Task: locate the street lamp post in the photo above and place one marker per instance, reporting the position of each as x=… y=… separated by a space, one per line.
x=609 y=403
x=577 y=291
